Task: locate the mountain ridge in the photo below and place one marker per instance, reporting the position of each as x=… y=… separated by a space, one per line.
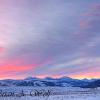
x=49 y=81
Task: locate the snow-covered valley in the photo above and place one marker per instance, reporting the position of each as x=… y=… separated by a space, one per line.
x=49 y=93
x=64 y=88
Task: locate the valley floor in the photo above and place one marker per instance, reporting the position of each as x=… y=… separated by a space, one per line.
x=48 y=93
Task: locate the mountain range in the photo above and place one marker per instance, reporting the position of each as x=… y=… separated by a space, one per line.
x=52 y=82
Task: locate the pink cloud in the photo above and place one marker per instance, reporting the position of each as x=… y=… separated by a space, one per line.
x=2 y=49
x=12 y=66
x=95 y=5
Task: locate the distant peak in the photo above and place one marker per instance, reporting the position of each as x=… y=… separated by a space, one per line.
x=65 y=77
x=30 y=78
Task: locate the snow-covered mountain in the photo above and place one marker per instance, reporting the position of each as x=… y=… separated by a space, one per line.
x=48 y=81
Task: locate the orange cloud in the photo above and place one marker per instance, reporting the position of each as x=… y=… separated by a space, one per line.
x=87 y=75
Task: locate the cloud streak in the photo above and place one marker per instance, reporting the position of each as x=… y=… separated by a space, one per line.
x=49 y=38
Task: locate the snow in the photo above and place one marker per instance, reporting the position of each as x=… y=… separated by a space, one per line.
x=56 y=93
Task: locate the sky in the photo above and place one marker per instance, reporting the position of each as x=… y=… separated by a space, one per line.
x=49 y=38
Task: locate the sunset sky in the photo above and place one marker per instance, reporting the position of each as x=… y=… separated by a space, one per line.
x=49 y=38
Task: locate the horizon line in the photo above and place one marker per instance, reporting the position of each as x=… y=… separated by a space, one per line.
x=48 y=77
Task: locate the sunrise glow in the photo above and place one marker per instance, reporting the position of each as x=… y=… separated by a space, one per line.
x=49 y=38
